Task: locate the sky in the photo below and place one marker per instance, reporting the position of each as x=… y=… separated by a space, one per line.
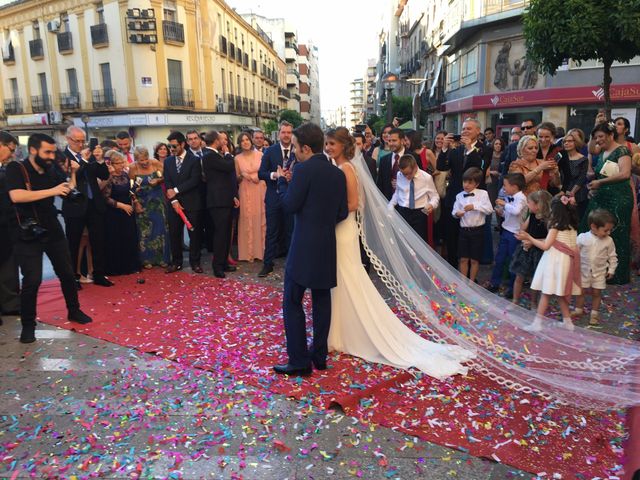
x=345 y=32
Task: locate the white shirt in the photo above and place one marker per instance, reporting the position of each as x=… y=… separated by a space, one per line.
x=481 y=208
x=424 y=191
x=513 y=211
x=598 y=256
x=179 y=160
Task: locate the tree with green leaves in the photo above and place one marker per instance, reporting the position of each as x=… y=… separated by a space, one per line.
x=605 y=30
x=269 y=126
x=291 y=116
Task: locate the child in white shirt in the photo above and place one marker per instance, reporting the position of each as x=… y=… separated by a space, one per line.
x=472 y=206
x=513 y=209
x=598 y=260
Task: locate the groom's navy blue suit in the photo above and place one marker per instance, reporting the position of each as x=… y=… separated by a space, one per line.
x=317 y=197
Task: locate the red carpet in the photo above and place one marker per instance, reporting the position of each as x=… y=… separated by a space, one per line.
x=237 y=328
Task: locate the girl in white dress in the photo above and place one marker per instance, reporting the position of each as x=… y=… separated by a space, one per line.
x=362 y=324
x=558 y=272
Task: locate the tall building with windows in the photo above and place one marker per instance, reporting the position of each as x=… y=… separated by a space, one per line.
x=147 y=67
x=309 y=82
x=356 y=102
x=284 y=38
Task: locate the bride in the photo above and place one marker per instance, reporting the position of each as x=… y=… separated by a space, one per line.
x=362 y=324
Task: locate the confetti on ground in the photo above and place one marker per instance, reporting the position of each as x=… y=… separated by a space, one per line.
x=234 y=332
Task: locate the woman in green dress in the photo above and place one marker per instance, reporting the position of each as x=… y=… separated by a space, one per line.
x=610 y=190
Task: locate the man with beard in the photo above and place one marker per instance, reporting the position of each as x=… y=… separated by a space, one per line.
x=33 y=185
x=258 y=140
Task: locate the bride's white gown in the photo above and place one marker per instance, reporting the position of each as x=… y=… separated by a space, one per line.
x=363 y=325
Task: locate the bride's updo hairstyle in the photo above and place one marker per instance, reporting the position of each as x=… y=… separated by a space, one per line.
x=342 y=135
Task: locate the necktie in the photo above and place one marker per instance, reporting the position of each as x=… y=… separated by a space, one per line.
x=86 y=178
x=412 y=194
x=285 y=159
x=396 y=167
x=465 y=195
x=178 y=164
x=509 y=199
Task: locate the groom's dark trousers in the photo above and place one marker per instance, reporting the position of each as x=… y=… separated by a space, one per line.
x=295 y=323
x=317 y=197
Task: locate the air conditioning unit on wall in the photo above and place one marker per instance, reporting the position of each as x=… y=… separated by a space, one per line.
x=53 y=25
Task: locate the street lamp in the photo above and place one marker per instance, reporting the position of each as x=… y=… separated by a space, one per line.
x=86 y=119
x=389 y=82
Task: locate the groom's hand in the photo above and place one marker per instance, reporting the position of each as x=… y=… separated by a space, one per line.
x=280 y=172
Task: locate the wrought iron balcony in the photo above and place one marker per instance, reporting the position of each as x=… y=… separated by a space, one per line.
x=232 y=103
x=179 y=97
x=254 y=66
x=99 y=35
x=36 y=49
x=65 y=42
x=173 y=31
x=223 y=45
x=284 y=93
x=9 y=56
x=40 y=103
x=13 y=106
x=245 y=105
x=104 y=99
x=70 y=101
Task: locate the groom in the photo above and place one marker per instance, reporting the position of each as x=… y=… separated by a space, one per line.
x=317 y=197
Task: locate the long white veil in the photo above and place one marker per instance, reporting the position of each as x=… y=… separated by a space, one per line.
x=580 y=367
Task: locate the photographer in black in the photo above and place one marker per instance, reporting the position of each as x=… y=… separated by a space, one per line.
x=9 y=283
x=33 y=185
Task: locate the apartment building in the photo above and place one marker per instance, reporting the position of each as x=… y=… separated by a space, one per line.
x=309 y=82
x=356 y=102
x=147 y=66
x=469 y=59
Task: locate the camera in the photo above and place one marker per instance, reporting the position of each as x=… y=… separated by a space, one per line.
x=74 y=195
x=457 y=138
x=558 y=157
x=31 y=230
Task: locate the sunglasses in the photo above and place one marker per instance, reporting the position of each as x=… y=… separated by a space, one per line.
x=527 y=127
x=173 y=147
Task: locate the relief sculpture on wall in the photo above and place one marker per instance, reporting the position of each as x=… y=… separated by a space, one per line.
x=520 y=69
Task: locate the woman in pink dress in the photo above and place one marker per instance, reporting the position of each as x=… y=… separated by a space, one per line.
x=252 y=224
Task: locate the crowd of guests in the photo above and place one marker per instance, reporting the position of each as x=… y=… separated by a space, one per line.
x=128 y=206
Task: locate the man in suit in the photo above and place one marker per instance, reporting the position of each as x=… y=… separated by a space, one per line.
x=183 y=178
x=371 y=163
x=278 y=222
x=123 y=139
x=471 y=153
x=221 y=199
x=316 y=194
x=389 y=166
x=258 y=140
x=9 y=282
x=86 y=210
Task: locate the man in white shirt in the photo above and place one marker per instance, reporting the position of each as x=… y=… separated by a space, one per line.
x=471 y=206
x=598 y=260
x=415 y=196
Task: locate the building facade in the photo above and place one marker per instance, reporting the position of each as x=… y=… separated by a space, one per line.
x=309 y=82
x=356 y=102
x=147 y=67
x=468 y=59
x=284 y=38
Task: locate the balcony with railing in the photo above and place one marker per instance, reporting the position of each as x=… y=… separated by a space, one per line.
x=238 y=103
x=252 y=106
x=173 y=32
x=70 y=101
x=284 y=93
x=254 y=66
x=179 y=97
x=13 y=106
x=245 y=61
x=65 y=42
x=223 y=45
x=9 y=56
x=232 y=102
x=239 y=55
x=40 y=103
x=99 y=35
x=264 y=35
x=104 y=99
x=245 y=105
x=36 y=49
x=232 y=51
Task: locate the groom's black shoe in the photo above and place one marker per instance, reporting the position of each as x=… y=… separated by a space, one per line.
x=287 y=369
x=320 y=365
x=266 y=270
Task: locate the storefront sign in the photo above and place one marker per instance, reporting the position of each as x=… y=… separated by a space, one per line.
x=543 y=97
x=35 y=119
